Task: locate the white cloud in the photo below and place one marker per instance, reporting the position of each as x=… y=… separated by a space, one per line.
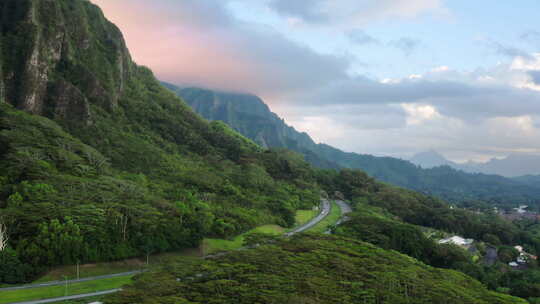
x=418 y=114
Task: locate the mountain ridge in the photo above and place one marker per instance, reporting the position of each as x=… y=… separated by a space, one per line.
x=99 y=162
x=511 y=166
x=445 y=181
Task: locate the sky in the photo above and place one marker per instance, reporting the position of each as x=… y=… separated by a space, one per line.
x=382 y=77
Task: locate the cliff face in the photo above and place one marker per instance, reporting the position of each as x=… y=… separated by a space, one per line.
x=250 y=116
x=58 y=57
x=247 y=114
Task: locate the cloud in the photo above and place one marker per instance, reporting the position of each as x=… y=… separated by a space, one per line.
x=352 y=13
x=196 y=42
x=476 y=95
x=202 y=43
x=508 y=51
x=535 y=75
x=360 y=37
x=406 y=44
x=306 y=10
x=533 y=37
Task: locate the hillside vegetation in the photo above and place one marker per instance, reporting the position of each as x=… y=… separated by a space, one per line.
x=100 y=162
x=249 y=115
x=308 y=269
x=115 y=165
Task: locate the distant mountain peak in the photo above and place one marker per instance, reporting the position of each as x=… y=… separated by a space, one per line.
x=431 y=159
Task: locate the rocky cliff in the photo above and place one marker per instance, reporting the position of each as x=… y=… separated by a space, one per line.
x=250 y=116
x=58 y=57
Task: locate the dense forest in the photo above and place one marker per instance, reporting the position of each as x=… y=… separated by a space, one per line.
x=117 y=166
x=100 y=162
x=396 y=219
x=308 y=269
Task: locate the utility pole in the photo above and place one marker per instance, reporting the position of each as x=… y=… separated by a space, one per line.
x=78 y=271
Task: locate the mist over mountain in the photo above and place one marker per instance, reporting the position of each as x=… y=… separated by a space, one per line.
x=102 y=167
x=514 y=165
x=431 y=159
x=249 y=115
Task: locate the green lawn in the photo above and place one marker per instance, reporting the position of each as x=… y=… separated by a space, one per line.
x=331 y=219
x=59 y=291
x=304 y=216
x=215 y=245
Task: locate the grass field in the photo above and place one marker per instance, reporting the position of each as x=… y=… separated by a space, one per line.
x=91 y=270
x=304 y=216
x=60 y=291
x=215 y=245
x=331 y=219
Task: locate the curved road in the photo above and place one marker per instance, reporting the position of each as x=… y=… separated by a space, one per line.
x=325 y=211
x=345 y=209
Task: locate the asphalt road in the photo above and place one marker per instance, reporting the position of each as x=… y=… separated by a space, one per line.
x=345 y=209
x=491 y=256
x=86 y=295
x=325 y=210
x=55 y=283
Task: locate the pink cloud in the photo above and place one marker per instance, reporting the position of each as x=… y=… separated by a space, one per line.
x=198 y=43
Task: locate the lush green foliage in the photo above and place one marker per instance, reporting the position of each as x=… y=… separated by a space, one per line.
x=421 y=210
x=250 y=116
x=116 y=166
x=139 y=172
x=392 y=218
x=308 y=269
x=57 y=291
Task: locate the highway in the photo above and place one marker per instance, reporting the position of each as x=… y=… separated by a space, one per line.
x=325 y=210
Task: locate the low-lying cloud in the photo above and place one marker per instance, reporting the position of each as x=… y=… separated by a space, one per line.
x=202 y=43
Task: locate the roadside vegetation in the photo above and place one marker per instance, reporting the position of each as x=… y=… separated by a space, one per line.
x=304 y=216
x=217 y=245
x=60 y=290
x=328 y=222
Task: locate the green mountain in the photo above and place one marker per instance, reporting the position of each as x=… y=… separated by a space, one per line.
x=104 y=163
x=100 y=162
x=249 y=115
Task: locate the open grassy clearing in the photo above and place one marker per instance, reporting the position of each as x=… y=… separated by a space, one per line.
x=216 y=245
x=304 y=216
x=60 y=291
x=327 y=222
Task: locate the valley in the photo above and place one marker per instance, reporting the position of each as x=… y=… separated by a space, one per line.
x=118 y=188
